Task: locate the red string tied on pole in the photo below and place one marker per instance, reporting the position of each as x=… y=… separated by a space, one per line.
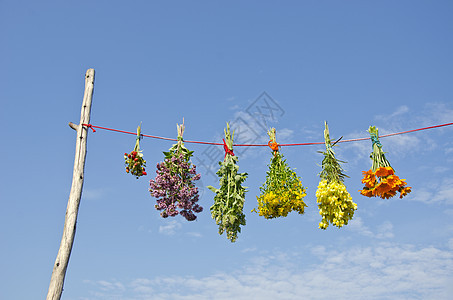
x=227 y=150
x=89 y=126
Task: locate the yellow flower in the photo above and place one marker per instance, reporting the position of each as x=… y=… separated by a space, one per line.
x=335 y=204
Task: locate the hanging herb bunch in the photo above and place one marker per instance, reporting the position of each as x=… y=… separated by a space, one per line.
x=282 y=191
x=134 y=162
x=174 y=185
x=380 y=180
x=334 y=201
x=230 y=197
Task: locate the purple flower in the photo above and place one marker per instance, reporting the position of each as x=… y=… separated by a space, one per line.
x=197 y=208
x=173 y=187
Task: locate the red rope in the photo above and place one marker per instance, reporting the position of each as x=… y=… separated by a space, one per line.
x=263 y=145
x=367 y=138
x=150 y=136
x=89 y=126
x=227 y=150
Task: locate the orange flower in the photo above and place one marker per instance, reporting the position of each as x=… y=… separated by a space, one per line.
x=367 y=173
x=384 y=171
x=383 y=183
x=393 y=180
x=405 y=191
x=369 y=179
x=383 y=187
x=366 y=192
x=389 y=194
x=390 y=170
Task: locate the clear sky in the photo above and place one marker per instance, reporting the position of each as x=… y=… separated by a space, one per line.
x=350 y=63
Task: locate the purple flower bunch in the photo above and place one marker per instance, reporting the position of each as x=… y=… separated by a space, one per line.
x=174 y=186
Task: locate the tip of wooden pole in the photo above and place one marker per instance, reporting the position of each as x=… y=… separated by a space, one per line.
x=89 y=73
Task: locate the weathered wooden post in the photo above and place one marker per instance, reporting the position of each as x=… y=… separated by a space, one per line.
x=61 y=263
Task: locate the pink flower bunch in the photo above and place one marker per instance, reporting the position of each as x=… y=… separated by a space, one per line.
x=174 y=186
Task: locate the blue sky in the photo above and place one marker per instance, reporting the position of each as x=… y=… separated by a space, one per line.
x=351 y=63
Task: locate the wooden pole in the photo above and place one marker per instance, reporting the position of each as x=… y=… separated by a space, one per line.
x=61 y=263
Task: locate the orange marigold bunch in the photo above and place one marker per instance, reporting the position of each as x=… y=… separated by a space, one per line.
x=383 y=183
x=380 y=180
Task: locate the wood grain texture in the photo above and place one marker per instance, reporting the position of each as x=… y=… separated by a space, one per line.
x=67 y=240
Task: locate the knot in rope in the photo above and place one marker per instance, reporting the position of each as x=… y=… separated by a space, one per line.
x=227 y=150
x=273 y=145
x=375 y=140
x=89 y=126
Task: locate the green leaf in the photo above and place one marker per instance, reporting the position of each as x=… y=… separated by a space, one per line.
x=213 y=189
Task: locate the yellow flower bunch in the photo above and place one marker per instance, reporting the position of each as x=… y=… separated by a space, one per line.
x=380 y=180
x=335 y=204
x=279 y=203
x=283 y=191
x=334 y=201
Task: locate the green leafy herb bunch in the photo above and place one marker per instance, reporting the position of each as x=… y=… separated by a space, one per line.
x=227 y=210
